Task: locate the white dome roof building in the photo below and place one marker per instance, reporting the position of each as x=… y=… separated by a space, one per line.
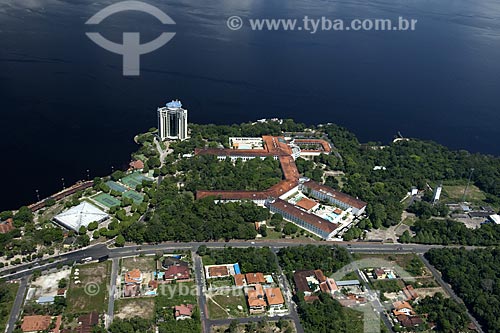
x=81 y=215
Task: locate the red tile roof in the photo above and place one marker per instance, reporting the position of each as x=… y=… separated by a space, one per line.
x=177 y=272
x=218 y=271
x=239 y=280
x=183 y=310
x=274 y=296
x=256 y=297
x=409 y=292
x=347 y=199
x=324 y=145
x=133 y=276
x=306 y=203
x=311 y=219
x=137 y=165
x=254 y=278
x=274 y=146
x=7 y=226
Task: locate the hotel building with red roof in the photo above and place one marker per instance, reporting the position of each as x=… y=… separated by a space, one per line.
x=286 y=152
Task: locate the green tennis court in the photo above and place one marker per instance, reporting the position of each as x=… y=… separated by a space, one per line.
x=137 y=197
x=106 y=200
x=133 y=179
x=115 y=186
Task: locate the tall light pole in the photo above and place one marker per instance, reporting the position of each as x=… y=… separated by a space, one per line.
x=37 y=196
x=468 y=184
x=62 y=180
x=88 y=174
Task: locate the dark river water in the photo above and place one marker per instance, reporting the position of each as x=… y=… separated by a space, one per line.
x=65 y=106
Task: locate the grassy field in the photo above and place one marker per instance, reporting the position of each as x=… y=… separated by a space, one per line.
x=144 y=264
x=91 y=293
x=225 y=305
x=170 y=295
x=207 y=260
x=6 y=306
x=406 y=261
x=454 y=193
x=130 y=307
x=388 y=286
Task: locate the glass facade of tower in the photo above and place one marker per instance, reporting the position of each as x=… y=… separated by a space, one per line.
x=172 y=121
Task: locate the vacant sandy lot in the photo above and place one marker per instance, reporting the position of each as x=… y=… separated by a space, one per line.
x=144 y=264
x=131 y=307
x=46 y=285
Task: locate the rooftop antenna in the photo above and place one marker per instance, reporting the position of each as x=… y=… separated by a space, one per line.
x=468 y=184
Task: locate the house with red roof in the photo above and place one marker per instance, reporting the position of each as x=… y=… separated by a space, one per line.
x=182 y=311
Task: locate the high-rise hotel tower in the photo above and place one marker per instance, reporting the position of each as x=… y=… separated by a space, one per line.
x=172 y=121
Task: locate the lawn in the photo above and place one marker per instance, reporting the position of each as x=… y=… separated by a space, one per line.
x=388 y=286
x=7 y=302
x=130 y=307
x=144 y=264
x=208 y=260
x=91 y=293
x=409 y=262
x=224 y=304
x=221 y=282
x=455 y=193
x=170 y=295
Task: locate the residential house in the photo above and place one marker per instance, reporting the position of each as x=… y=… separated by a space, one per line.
x=256 y=302
x=218 y=271
x=409 y=321
x=379 y=274
x=131 y=290
x=133 y=277
x=7 y=226
x=312 y=281
x=175 y=269
x=136 y=165
x=410 y=293
x=402 y=307
x=255 y=278
x=182 y=311
x=239 y=280
x=274 y=298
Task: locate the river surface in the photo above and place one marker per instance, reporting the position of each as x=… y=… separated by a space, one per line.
x=65 y=106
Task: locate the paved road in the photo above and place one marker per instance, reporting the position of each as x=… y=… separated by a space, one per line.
x=287 y=291
x=112 y=290
x=200 y=282
x=377 y=306
x=101 y=251
x=18 y=304
x=448 y=289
